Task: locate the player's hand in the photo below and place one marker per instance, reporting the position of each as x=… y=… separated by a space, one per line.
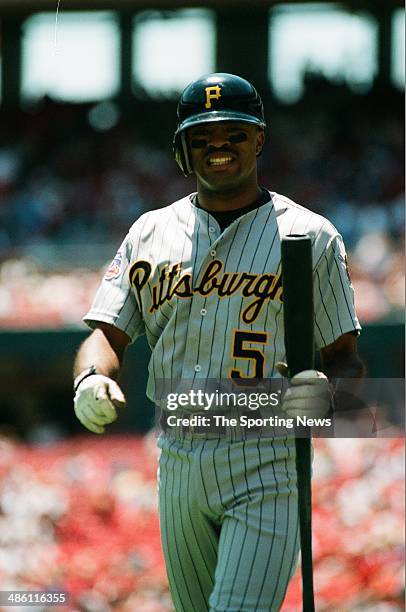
x=96 y=400
x=309 y=394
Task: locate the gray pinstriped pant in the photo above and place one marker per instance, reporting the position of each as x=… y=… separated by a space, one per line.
x=229 y=523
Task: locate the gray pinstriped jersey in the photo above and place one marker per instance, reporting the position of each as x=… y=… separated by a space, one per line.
x=190 y=287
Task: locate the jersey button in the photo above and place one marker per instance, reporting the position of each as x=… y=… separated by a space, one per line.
x=203 y=312
x=213 y=253
x=212 y=229
x=198 y=368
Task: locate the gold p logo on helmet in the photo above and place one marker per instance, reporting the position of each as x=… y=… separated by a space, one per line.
x=212 y=93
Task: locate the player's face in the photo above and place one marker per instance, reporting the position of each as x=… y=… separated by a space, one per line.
x=224 y=154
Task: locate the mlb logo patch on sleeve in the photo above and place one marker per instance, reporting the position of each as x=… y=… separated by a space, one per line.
x=114 y=268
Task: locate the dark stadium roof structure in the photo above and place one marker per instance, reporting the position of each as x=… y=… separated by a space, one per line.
x=17 y=6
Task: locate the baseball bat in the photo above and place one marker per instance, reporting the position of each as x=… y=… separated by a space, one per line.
x=297 y=282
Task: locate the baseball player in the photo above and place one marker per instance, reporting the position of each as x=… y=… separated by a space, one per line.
x=201 y=278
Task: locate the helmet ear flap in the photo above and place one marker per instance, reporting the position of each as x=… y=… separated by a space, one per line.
x=260 y=150
x=182 y=156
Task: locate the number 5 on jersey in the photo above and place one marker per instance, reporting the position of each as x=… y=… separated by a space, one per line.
x=256 y=355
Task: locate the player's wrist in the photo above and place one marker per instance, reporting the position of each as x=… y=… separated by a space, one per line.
x=90 y=371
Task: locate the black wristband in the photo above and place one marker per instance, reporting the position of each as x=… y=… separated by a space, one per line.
x=88 y=372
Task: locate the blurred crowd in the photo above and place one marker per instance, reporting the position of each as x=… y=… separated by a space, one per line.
x=81 y=516
x=72 y=181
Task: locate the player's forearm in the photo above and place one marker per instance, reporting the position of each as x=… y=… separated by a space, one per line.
x=98 y=351
x=345 y=376
x=345 y=370
x=341 y=360
x=345 y=366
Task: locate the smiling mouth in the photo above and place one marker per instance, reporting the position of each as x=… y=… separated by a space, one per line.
x=220 y=161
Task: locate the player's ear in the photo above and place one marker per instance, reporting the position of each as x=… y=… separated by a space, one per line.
x=260 y=141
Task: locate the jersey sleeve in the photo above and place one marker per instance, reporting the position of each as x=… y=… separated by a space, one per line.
x=115 y=301
x=334 y=307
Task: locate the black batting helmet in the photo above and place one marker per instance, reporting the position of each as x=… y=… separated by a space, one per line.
x=214 y=97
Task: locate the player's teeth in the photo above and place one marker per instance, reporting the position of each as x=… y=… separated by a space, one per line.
x=220 y=160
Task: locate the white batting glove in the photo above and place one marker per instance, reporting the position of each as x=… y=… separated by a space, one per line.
x=96 y=400
x=309 y=395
